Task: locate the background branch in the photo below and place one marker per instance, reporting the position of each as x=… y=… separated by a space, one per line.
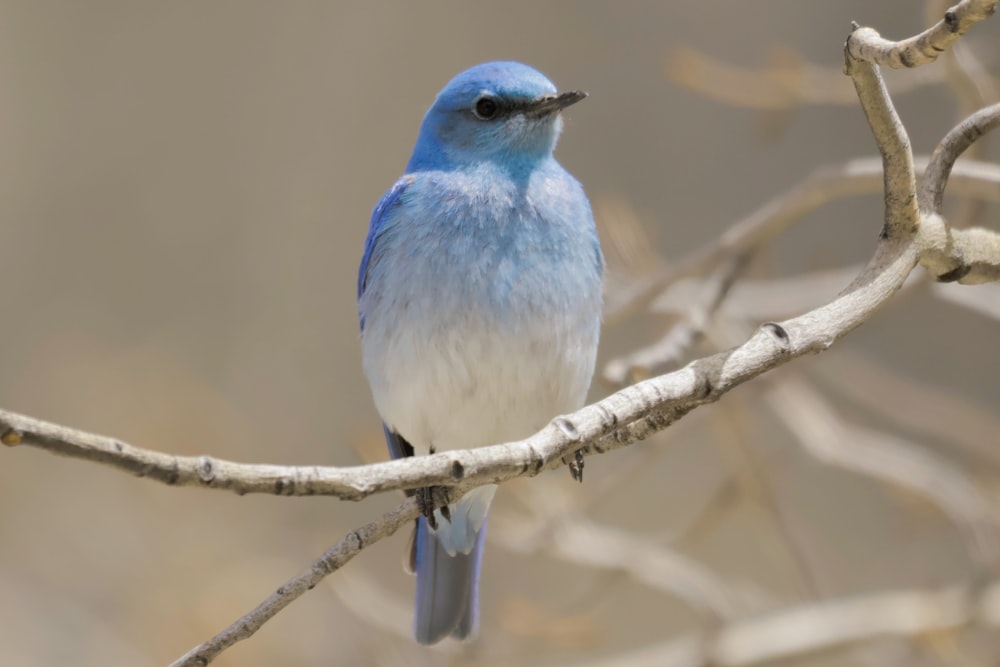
x=815 y=628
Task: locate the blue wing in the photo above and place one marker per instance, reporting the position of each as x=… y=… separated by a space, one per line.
x=398 y=447
x=385 y=204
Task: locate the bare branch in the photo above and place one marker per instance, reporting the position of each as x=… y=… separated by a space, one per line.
x=855 y=177
x=761 y=299
x=921 y=408
x=968 y=256
x=584 y=542
x=825 y=626
x=671 y=349
x=867 y=45
x=963 y=135
x=901 y=215
x=786 y=82
x=891 y=460
x=333 y=559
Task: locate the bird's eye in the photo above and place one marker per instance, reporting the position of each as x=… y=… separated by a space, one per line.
x=486 y=108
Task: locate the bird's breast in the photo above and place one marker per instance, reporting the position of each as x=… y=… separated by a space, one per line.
x=483 y=325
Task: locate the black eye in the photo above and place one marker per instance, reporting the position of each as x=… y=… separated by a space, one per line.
x=486 y=108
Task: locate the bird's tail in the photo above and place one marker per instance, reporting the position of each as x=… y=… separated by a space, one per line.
x=447 y=600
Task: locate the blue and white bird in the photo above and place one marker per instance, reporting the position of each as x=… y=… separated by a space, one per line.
x=479 y=295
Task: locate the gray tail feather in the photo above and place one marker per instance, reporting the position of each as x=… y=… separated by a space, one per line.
x=447 y=600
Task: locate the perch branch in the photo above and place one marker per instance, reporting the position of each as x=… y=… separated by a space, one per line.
x=622 y=418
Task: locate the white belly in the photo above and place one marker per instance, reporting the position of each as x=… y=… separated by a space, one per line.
x=472 y=384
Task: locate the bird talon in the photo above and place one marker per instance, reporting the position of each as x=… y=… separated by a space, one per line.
x=576 y=466
x=425 y=501
x=431 y=498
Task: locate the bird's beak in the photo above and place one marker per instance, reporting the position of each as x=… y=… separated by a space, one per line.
x=551 y=104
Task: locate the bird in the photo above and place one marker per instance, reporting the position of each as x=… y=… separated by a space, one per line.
x=479 y=300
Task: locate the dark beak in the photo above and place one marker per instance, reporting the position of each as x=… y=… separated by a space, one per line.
x=553 y=103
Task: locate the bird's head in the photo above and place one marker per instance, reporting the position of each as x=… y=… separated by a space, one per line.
x=498 y=111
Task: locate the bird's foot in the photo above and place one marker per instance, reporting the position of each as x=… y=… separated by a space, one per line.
x=430 y=498
x=576 y=466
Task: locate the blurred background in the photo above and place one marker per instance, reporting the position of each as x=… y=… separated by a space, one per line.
x=184 y=192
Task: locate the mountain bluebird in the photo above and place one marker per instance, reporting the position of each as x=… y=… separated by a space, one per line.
x=479 y=296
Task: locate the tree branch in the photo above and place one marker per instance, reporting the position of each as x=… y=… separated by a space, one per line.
x=939 y=167
x=901 y=214
x=332 y=560
x=867 y=45
x=674 y=346
x=979 y=180
x=854 y=177
x=619 y=420
x=814 y=628
x=968 y=256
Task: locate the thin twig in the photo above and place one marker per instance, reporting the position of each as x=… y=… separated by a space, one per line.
x=854 y=177
x=958 y=139
x=968 y=256
x=671 y=349
x=786 y=82
x=576 y=539
x=333 y=559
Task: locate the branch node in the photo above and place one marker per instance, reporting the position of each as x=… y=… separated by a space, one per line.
x=206 y=469
x=11 y=438
x=535 y=462
x=778 y=333
x=567 y=428
x=284 y=487
x=951 y=20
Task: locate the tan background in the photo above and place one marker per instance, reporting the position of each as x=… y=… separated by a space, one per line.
x=184 y=191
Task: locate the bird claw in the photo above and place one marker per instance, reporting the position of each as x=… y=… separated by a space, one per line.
x=576 y=466
x=430 y=498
